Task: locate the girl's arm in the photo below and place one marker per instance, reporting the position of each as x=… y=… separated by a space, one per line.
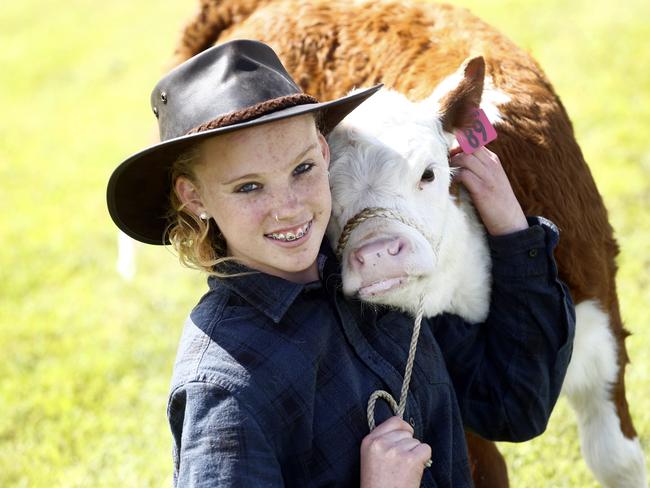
x=508 y=371
x=216 y=441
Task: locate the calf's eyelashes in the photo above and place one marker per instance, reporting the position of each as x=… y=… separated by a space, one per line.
x=428 y=175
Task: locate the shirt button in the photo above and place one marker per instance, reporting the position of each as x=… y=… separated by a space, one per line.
x=412 y=422
x=532 y=253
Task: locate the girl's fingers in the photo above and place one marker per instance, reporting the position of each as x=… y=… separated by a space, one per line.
x=422 y=452
x=393 y=423
x=482 y=156
x=483 y=164
x=397 y=436
x=486 y=157
x=407 y=444
x=454 y=151
x=460 y=160
x=468 y=178
x=472 y=163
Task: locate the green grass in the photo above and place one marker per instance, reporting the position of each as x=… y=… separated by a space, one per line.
x=87 y=358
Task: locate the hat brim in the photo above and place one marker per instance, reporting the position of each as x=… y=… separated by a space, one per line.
x=139 y=188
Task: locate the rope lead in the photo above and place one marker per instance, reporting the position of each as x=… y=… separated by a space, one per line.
x=398 y=409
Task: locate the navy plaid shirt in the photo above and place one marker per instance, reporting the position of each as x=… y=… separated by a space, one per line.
x=272 y=378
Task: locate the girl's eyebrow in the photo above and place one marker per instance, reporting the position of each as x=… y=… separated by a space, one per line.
x=256 y=175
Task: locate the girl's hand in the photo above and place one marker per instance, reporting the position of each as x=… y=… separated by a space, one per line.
x=488 y=185
x=391 y=457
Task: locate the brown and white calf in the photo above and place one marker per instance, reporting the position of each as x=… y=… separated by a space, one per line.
x=332 y=46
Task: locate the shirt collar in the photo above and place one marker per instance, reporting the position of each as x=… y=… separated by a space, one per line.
x=270 y=294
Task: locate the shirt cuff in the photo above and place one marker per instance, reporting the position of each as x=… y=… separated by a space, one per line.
x=524 y=253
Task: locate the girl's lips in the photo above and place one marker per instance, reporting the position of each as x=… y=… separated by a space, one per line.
x=292 y=236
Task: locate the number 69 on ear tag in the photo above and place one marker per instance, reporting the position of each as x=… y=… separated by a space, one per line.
x=478 y=134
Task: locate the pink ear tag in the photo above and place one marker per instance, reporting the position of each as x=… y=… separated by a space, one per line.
x=479 y=134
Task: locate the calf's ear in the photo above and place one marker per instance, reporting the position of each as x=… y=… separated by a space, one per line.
x=457 y=103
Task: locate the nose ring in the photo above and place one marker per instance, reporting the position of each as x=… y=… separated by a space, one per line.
x=277 y=219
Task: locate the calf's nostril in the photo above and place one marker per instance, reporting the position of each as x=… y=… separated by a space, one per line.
x=395 y=247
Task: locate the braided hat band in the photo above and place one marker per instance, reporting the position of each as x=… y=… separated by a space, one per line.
x=254 y=111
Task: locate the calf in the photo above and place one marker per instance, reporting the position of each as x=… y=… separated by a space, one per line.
x=331 y=46
x=391 y=153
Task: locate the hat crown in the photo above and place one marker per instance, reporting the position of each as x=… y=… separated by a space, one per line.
x=220 y=80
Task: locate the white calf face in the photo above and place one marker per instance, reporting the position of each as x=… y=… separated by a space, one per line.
x=389 y=153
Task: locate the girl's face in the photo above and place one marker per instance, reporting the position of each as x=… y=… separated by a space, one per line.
x=267 y=188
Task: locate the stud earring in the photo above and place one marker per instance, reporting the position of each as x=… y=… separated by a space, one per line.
x=204 y=216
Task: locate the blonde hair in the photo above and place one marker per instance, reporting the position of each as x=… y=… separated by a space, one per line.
x=198 y=243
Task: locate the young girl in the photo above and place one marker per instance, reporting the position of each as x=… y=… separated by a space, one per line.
x=275 y=366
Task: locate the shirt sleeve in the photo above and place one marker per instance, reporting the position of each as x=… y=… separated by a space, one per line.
x=216 y=441
x=508 y=371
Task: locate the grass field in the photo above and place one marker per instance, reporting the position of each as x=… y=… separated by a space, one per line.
x=87 y=358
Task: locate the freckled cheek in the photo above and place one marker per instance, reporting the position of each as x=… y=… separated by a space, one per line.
x=317 y=196
x=243 y=217
x=254 y=214
x=324 y=197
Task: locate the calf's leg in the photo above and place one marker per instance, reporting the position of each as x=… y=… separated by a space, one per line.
x=486 y=463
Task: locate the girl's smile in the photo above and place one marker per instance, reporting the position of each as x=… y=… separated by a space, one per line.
x=292 y=236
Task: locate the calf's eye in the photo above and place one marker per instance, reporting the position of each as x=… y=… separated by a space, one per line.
x=428 y=175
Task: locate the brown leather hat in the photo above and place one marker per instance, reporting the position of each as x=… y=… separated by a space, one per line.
x=228 y=87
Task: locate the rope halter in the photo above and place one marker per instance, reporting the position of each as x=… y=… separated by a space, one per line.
x=399 y=408
x=383 y=213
